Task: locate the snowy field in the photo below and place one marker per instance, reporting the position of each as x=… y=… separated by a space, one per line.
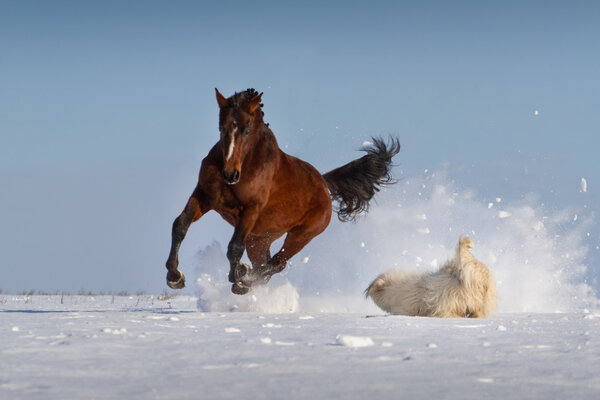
x=140 y=347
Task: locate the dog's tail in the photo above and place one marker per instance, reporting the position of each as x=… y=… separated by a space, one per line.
x=463 y=255
x=377 y=286
x=353 y=185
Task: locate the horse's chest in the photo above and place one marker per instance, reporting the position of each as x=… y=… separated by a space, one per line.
x=232 y=204
x=229 y=207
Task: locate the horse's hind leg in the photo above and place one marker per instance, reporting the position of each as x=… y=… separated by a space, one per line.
x=258 y=249
x=295 y=241
x=193 y=210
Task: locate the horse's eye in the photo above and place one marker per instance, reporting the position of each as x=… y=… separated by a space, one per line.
x=248 y=131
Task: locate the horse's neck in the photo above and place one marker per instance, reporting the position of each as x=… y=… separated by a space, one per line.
x=269 y=140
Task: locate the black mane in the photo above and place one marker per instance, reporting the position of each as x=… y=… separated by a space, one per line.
x=241 y=99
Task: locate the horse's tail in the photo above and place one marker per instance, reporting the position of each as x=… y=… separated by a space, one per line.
x=353 y=185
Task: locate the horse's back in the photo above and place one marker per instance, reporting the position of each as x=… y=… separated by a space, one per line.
x=301 y=178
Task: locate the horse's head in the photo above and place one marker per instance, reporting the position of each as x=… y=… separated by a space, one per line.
x=240 y=120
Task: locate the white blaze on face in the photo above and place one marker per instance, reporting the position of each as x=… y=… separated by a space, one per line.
x=231 y=143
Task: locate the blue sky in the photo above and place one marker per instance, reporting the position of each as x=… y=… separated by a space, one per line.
x=107 y=109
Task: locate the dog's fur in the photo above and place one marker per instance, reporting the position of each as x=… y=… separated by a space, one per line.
x=462 y=287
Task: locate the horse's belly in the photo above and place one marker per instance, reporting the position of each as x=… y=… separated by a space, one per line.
x=280 y=217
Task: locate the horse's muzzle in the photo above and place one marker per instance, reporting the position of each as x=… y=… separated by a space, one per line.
x=231 y=178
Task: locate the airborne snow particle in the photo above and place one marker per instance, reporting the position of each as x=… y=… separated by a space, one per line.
x=503 y=214
x=583 y=185
x=366 y=142
x=305 y=260
x=538 y=226
x=536 y=113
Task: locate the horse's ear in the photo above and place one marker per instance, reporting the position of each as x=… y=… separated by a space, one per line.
x=221 y=99
x=254 y=104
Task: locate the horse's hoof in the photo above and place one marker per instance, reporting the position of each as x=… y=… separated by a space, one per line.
x=236 y=273
x=236 y=288
x=178 y=284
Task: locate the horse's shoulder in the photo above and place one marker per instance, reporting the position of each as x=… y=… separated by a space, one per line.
x=300 y=164
x=210 y=169
x=213 y=160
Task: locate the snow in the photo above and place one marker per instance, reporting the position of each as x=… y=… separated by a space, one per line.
x=503 y=214
x=311 y=333
x=354 y=341
x=583 y=185
x=145 y=348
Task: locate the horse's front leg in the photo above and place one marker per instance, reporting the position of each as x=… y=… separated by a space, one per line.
x=236 y=247
x=194 y=209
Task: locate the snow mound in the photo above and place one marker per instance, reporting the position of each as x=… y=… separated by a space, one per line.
x=354 y=341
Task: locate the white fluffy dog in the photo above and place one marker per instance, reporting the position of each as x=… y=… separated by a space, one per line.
x=462 y=287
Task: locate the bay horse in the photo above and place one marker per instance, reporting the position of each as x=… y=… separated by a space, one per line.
x=265 y=193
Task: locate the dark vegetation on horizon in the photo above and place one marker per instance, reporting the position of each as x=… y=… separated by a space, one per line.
x=165 y=295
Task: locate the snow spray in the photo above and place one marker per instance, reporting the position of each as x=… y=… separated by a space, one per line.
x=537 y=255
